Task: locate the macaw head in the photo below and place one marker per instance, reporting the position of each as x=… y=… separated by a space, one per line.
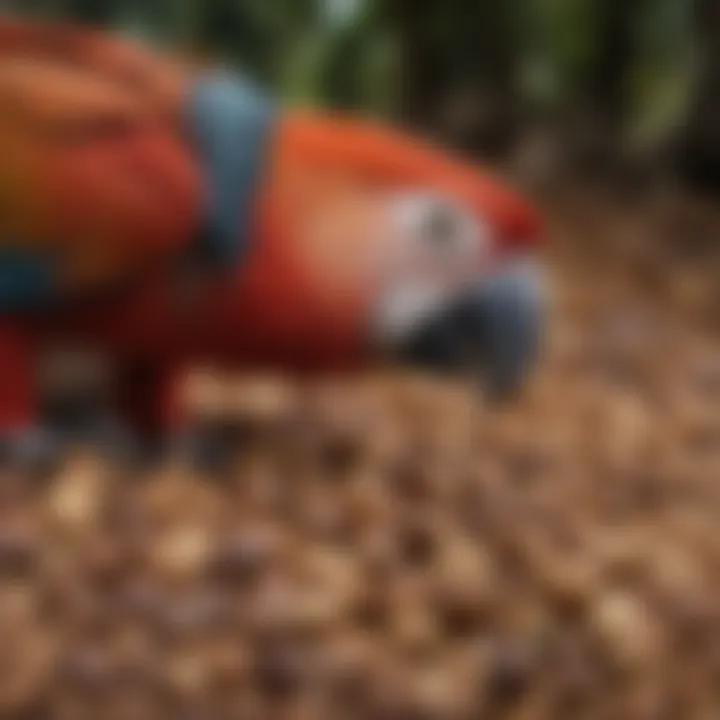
x=378 y=246
x=470 y=302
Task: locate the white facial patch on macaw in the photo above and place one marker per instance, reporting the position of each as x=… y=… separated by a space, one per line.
x=437 y=249
x=405 y=308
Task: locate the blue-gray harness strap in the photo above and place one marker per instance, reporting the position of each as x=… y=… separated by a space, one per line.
x=231 y=124
x=27 y=280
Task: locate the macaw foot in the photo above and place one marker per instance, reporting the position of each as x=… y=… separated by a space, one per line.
x=106 y=437
x=208 y=447
x=41 y=451
x=37 y=451
x=86 y=420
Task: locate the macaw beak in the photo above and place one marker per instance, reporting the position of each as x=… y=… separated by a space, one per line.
x=494 y=329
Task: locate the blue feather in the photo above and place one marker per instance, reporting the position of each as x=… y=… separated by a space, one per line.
x=27 y=280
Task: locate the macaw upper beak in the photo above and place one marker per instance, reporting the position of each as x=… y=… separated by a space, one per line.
x=494 y=329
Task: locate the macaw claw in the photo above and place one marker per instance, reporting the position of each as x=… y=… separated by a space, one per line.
x=208 y=447
x=37 y=452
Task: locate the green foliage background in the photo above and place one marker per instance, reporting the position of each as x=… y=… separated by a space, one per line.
x=349 y=53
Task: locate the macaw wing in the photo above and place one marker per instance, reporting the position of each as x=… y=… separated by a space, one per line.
x=159 y=79
x=95 y=182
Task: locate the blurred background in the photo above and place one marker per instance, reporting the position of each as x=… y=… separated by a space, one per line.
x=387 y=548
x=601 y=82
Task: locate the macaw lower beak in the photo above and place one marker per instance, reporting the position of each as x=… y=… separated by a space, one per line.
x=494 y=329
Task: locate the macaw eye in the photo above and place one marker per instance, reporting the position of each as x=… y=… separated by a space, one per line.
x=442 y=227
x=441 y=231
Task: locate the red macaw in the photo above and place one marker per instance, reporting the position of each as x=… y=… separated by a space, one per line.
x=169 y=216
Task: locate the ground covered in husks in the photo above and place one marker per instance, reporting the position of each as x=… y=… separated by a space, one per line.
x=389 y=549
